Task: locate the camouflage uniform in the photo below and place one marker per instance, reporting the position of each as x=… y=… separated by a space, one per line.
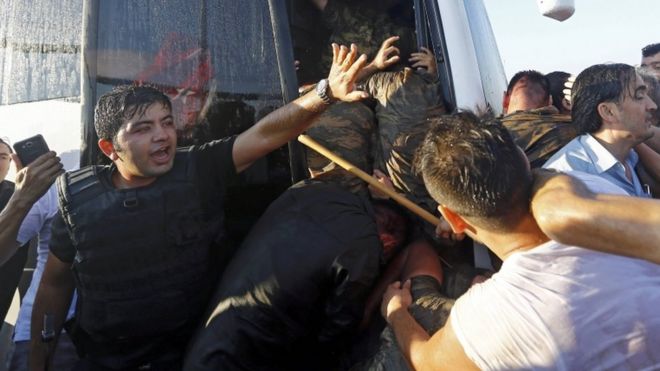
x=346 y=129
x=364 y=25
x=405 y=101
x=540 y=132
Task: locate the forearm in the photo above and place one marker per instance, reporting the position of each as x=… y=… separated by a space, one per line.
x=53 y=298
x=366 y=72
x=654 y=141
x=568 y=212
x=11 y=218
x=413 y=340
x=650 y=159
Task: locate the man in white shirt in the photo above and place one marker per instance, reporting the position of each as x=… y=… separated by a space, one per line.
x=613 y=112
x=551 y=306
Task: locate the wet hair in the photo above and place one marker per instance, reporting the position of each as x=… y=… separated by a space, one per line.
x=556 y=81
x=650 y=50
x=6 y=142
x=537 y=90
x=471 y=165
x=122 y=103
x=595 y=85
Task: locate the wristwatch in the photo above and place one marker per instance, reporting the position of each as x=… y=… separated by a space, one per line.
x=322 y=91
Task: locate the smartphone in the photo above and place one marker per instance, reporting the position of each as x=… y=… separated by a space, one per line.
x=29 y=149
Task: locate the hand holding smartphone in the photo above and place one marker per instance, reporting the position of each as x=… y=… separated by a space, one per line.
x=29 y=149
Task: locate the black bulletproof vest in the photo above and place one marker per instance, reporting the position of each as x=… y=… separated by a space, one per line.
x=142 y=255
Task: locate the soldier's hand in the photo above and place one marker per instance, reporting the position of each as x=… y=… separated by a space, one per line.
x=387 y=55
x=568 y=89
x=424 y=59
x=34 y=180
x=383 y=179
x=344 y=72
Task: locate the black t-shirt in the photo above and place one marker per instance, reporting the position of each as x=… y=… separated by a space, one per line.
x=215 y=168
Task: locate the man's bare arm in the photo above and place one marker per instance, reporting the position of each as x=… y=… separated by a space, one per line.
x=53 y=298
x=568 y=212
x=31 y=183
x=287 y=122
x=442 y=351
x=654 y=141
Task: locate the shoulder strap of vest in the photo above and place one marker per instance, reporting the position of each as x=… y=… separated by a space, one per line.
x=83 y=184
x=184 y=169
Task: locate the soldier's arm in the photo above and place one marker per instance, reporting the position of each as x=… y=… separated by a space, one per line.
x=568 y=212
x=387 y=55
x=31 y=183
x=289 y=121
x=53 y=298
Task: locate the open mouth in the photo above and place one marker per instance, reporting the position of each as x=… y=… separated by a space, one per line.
x=161 y=155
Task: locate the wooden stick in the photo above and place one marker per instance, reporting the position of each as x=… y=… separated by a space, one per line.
x=311 y=143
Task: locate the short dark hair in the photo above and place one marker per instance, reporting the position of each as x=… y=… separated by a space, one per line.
x=472 y=165
x=532 y=76
x=650 y=50
x=556 y=81
x=595 y=85
x=6 y=142
x=122 y=103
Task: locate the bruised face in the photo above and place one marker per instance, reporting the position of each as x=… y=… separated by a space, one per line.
x=145 y=145
x=5 y=160
x=392 y=229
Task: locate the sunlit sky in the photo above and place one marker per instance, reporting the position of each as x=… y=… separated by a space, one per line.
x=599 y=31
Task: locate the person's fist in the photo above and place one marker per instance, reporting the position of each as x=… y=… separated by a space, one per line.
x=396 y=297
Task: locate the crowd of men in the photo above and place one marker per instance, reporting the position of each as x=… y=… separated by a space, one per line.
x=128 y=252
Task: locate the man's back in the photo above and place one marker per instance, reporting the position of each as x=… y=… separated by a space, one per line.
x=563 y=307
x=295 y=287
x=540 y=132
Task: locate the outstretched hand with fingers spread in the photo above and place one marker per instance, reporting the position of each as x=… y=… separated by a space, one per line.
x=387 y=55
x=344 y=72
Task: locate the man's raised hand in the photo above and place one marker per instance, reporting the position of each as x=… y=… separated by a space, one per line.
x=344 y=72
x=34 y=180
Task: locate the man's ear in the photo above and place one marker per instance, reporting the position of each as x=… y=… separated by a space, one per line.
x=607 y=111
x=506 y=98
x=457 y=223
x=108 y=149
x=566 y=104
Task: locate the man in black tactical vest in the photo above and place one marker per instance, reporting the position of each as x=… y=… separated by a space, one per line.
x=137 y=235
